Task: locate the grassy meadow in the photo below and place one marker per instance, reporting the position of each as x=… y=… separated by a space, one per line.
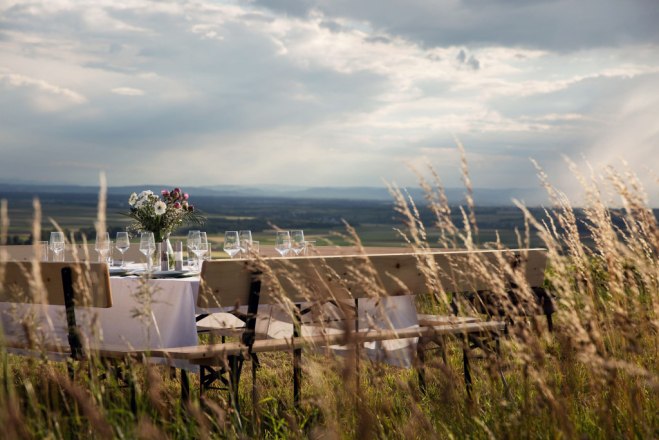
x=595 y=376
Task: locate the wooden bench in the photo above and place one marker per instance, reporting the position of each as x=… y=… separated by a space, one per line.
x=72 y=252
x=74 y=286
x=344 y=280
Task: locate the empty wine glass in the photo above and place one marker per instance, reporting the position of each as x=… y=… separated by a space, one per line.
x=102 y=246
x=194 y=238
x=245 y=241
x=201 y=250
x=57 y=244
x=231 y=243
x=297 y=241
x=204 y=239
x=283 y=243
x=147 y=247
x=122 y=244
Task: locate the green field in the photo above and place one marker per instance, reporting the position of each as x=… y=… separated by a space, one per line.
x=322 y=220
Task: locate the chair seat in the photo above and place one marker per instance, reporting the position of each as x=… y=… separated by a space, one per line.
x=229 y=325
x=222 y=323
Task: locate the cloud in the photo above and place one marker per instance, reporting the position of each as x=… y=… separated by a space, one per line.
x=127 y=91
x=11 y=80
x=319 y=93
x=559 y=25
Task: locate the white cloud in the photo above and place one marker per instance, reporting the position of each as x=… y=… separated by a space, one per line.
x=128 y=91
x=13 y=80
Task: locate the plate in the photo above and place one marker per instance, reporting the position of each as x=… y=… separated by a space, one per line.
x=116 y=271
x=171 y=273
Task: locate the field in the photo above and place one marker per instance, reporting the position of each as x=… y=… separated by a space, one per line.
x=595 y=376
x=322 y=220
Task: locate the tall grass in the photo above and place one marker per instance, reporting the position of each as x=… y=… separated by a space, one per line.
x=595 y=376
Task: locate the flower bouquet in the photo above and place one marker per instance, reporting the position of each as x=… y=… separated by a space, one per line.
x=161 y=216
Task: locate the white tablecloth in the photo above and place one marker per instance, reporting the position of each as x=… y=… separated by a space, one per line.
x=159 y=313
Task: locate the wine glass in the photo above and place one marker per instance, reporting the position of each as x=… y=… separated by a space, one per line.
x=283 y=243
x=200 y=251
x=147 y=247
x=297 y=241
x=56 y=244
x=194 y=238
x=245 y=241
x=204 y=239
x=122 y=244
x=231 y=243
x=102 y=246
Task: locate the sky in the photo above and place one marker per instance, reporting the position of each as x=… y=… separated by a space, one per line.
x=325 y=93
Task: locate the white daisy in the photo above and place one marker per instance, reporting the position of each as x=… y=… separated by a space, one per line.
x=145 y=194
x=160 y=208
x=132 y=199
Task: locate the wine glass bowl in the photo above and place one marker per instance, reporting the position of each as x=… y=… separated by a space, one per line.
x=122 y=244
x=147 y=247
x=231 y=243
x=297 y=241
x=56 y=244
x=245 y=240
x=200 y=251
x=102 y=246
x=194 y=239
x=283 y=243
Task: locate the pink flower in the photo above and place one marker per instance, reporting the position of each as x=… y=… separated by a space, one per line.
x=177 y=205
x=177 y=190
x=165 y=193
x=191 y=208
x=185 y=196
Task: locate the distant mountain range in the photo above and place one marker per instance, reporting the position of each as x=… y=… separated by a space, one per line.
x=482 y=196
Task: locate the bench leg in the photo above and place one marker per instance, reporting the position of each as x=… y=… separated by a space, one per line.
x=420 y=368
x=185 y=387
x=235 y=366
x=297 y=361
x=466 y=368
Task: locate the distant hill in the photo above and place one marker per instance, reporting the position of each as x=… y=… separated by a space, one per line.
x=482 y=196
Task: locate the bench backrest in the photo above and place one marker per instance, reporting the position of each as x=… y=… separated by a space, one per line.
x=228 y=282
x=77 y=252
x=46 y=283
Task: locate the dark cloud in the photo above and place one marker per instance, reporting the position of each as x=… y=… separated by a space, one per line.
x=561 y=25
x=470 y=60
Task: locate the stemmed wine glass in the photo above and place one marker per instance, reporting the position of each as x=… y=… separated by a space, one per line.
x=147 y=247
x=194 y=238
x=245 y=241
x=201 y=250
x=204 y=239
x=102 y=246
x=297 y=241
x=122 y=244
x=56 y=244
x=231 y=243
x=283 y=243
